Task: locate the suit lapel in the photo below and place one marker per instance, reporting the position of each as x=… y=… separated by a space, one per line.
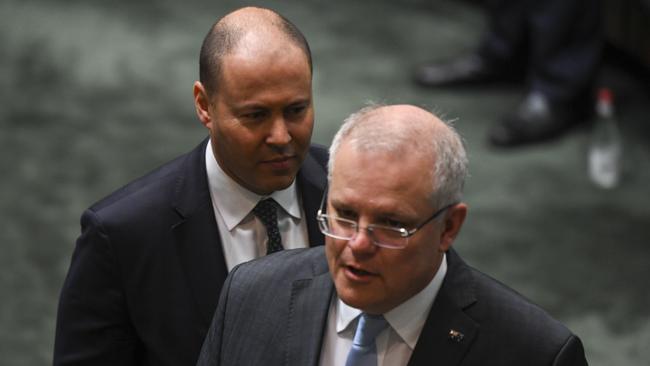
x=308 y=310
x=197 y=236
x=448 y=332
x=196 y=233
x=311 y=185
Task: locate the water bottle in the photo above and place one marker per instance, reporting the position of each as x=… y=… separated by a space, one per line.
x=606 y=146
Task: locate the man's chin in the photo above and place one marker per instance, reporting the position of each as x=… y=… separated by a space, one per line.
x=277 y=183
x=357 y=299
x=365 y=306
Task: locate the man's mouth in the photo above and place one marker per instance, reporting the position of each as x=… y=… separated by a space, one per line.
x=280 y=163
x=279 y=159
x=359 y=271
x=356 y=273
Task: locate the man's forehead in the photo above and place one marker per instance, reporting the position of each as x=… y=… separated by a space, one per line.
x=244 y=75
x=266 y=42
x=369 y=173
x=369 y=152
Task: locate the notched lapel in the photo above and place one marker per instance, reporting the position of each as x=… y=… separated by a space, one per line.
x=199 y=249
x=308 y=310
x=436 y=345
x=448 y=332
x=311 y=184
x=197 y=236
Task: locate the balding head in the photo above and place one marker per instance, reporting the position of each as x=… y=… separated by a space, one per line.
x=252 y=31
x=412 y=133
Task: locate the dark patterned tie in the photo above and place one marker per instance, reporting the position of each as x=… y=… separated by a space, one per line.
x=266 y=210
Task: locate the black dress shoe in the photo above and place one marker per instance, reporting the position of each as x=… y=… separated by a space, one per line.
x=536 y=119
x=472 y=69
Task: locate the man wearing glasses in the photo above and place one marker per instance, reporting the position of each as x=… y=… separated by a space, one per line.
x=387 y=289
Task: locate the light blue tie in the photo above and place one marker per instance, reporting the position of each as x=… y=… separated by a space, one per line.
x=364 y=349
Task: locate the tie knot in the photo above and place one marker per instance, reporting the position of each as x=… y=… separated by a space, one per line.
x=368 y=328
x=266 y=211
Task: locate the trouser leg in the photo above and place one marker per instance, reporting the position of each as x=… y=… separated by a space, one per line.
x=565 y=47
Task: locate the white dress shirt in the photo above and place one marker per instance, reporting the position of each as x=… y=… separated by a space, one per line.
x=243 y=235
x=395 y=344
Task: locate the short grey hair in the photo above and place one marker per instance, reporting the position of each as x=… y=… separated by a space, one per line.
x=445 y=148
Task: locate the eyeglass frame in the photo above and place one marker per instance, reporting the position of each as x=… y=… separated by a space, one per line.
x=405 y=233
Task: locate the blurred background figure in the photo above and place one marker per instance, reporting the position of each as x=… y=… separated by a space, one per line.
x=555 y=45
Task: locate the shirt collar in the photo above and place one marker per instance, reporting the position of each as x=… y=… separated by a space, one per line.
x=235 y=202
x=408 y=318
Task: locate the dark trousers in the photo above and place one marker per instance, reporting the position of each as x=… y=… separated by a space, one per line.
x=557 y=43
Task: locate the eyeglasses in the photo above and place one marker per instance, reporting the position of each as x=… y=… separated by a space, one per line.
x=391 y=237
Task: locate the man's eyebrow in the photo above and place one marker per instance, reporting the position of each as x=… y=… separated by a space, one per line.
x=248 y=105
x=338 y=204
x=378 y=214
x=305 y=100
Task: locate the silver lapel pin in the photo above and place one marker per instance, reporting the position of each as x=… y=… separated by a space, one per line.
x=455 y=335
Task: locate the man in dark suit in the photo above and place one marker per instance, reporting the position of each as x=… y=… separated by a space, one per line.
x=387 y=289
x=555 y=43
x=152 y=257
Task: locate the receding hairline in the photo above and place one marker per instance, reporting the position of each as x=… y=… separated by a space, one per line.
x=249 y=15
x=407 y=124
x=412 y=133
x=227 y=35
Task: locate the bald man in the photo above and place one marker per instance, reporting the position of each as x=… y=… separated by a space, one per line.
x=151 y=259
x=387 y=289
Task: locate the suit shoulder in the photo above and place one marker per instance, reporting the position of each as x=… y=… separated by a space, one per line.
x=154 y=190
x=145 y=208
x=515 y=331
x=504 y=313
x=153 y=180
x=312 y=176
x=283 y=266
x=320 y=154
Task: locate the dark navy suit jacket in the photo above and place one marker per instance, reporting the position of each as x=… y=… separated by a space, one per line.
x=148 y=267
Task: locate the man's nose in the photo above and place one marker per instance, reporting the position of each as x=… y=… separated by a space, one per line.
x=279 y=133
x=361 y=242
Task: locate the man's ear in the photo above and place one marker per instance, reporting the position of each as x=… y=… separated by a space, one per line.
x=202 y=104
x=453 y=221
